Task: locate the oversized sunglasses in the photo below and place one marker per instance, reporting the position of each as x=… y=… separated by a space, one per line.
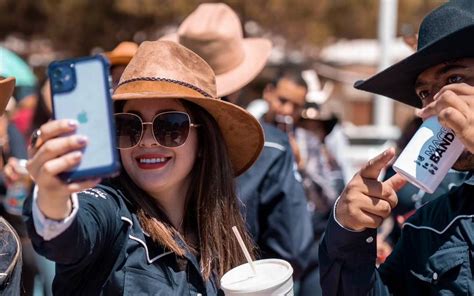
x=170 y=129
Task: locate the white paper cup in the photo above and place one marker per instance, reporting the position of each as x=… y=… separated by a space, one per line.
x=429 y=155
x=274 y=277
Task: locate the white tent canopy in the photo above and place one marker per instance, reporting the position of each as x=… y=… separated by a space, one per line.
x=362 y=52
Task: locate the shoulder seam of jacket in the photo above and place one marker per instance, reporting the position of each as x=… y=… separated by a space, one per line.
x=275 y=145
x=437 y=231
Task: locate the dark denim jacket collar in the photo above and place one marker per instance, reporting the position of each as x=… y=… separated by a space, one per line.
x=153 y=250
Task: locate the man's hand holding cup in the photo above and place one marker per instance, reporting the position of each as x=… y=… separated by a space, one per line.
x=454 y=106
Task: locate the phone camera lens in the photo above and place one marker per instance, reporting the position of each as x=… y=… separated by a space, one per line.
x=58 y=84
x=57 y=72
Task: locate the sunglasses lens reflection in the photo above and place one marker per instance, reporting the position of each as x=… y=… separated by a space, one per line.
x=171 y=129
x=128 y=130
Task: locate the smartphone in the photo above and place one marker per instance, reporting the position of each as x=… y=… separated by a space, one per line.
x=81 y=90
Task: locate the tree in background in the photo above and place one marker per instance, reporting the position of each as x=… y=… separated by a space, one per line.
x=78 y=26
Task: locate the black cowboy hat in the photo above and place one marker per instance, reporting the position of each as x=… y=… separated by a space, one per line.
x=445 y=34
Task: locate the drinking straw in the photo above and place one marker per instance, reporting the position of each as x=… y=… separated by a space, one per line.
x=244 y=249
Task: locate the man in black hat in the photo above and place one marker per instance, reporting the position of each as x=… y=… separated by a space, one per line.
x=435 y=254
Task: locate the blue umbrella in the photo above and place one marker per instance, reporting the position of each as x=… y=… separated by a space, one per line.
x=12 y=65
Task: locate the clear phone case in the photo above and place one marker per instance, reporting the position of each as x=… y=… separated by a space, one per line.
x=81 y=90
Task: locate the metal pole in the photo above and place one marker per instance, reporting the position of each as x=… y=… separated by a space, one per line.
x=383 y=107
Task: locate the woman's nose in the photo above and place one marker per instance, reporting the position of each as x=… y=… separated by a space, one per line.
x=148 y=139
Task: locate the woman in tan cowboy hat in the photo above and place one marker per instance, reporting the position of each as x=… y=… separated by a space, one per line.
x=163 y=226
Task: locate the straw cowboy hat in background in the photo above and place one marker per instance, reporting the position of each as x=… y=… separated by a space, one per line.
x=122 y=53
x=214 y=32
x=7 y=86
x=445 y=34
x=165 y=69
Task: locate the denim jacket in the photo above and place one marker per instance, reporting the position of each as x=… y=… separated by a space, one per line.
x=275 y=206
x=105 y=252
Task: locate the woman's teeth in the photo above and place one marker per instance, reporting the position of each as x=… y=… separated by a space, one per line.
x=152 y=160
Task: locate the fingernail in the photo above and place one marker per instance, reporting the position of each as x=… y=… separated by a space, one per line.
x=72 y=123
x=436 y=96
x=81 y=140
x=76 y=154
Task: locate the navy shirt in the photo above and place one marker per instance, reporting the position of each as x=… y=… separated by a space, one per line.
x=275 y=206
x=434 y=256
x=106 y=252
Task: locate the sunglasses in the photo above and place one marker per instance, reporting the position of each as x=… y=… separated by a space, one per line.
x=170 y=129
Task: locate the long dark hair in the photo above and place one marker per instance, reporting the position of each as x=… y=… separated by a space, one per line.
x=211 y=207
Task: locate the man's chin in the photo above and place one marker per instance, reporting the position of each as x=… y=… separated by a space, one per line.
x=465 y=162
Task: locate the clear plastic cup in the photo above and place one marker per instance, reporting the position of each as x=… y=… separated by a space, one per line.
x=18 y=191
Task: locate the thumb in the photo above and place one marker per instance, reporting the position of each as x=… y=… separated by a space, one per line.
x=396 y=182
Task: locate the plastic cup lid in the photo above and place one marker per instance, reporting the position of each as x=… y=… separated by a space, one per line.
x=270 y=273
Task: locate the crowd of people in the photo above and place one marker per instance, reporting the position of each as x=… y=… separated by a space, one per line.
x=162 y=226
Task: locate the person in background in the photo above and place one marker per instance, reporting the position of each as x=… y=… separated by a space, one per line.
x=286 y=98
x=10 y=247
x=12 y=141
x=26 y=98
x=434 y=253
x=274 y=201
x=324 y=119
x=119 y=58
x=38 y=272
x=163 y=226
x=321 y=123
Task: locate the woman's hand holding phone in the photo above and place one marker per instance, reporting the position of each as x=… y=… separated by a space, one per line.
x=56 y=153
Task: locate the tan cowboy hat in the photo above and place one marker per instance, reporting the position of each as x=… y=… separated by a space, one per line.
x=165 y=69
x=122 y=54
x=7 y=86
x=214 y=32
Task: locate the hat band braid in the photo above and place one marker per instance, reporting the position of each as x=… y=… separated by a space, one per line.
x=182 y=83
